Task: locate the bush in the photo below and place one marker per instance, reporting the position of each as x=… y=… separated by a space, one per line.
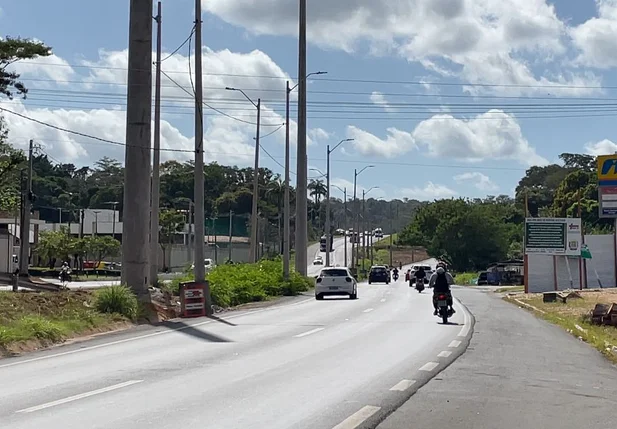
x=465 y=278
x=117 y=299
x=236 y=284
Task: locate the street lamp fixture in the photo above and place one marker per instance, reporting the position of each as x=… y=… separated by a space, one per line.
x=254 y=220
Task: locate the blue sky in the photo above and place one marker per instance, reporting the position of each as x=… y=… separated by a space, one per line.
x=443 y=97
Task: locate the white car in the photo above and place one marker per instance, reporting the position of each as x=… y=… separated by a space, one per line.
x=336 y=281
x=318 y=261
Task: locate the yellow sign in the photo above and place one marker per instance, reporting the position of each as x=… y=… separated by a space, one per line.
x=607 y=169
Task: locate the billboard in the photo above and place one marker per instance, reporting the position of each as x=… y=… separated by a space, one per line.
x=607 y=185
x=553 y=236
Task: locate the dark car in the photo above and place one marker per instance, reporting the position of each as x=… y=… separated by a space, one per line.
x=379 y=274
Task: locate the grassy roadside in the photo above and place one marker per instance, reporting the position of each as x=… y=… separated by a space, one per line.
x=34 y=320
x=573 y=316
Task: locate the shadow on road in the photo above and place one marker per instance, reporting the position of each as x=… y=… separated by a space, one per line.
x=218 y=319
x=194 y=332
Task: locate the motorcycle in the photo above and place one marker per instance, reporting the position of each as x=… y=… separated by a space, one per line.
x=442 y=305
x=419 y=285
x=65 y=276
x=395 y=276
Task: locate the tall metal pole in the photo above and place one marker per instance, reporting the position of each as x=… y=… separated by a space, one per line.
x=200 y=218
x=363 y=229
x=328 y=249
x=156 y=160
x=302 y=167
x=137 y=153
x=24 y=230
x=345 y=223
x=354 y=245
x=391 y=233
x=286 y=202
x=254 y=219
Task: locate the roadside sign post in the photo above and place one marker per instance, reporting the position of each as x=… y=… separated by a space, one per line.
x=193 y=299
x=553 y=236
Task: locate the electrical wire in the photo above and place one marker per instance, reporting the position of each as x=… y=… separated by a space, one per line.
x=180 y=46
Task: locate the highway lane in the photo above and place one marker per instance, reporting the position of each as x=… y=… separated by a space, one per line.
x=336 y=257
x=309 y=364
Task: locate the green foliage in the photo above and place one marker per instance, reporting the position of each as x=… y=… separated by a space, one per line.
x=171 y=223
x=117 y=299
x=11 y=51
x=470 y=234
x=237 y=284
x=60 y=245
x=465 y=279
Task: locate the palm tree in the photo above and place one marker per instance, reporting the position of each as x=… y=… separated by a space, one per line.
x=317 y=190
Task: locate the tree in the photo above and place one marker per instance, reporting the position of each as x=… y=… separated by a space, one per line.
x=171 y=222
x=100 y=247
x=55 y=245
x=11 y=162
x=11 y=51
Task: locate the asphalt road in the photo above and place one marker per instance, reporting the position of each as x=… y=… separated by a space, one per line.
x=519 y=372
x=336 y=363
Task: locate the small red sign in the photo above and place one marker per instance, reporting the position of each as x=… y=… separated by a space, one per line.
x=608 y=189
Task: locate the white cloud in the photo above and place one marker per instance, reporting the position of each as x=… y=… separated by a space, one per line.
x=395 y=143
x=491 y=135
x=430 y=191
x=318 y=134
x=479 y=180
x=596 y=38
x=603 y=147
x=379 y=99
x=227 y=140
x=481 y=41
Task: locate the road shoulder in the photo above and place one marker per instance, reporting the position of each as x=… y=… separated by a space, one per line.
x=519 y=371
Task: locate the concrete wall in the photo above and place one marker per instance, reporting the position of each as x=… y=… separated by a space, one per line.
x=542 y=268
x=178 y=258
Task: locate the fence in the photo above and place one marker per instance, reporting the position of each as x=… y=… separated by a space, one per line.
x=549 y=273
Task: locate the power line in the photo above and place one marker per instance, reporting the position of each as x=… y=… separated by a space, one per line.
x=362 y=80
x=180 y=46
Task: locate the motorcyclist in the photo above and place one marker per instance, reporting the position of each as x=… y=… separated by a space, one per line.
x=441 y=281
x=65 y=271
x=420 y=275
x=395 y=272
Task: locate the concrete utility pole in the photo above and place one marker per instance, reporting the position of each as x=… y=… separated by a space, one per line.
x=345 y=227
x=137 y=153
x=328 y=227
x=356 y=221
x=200 y=217
x=286 y=197
x=156 y=159
x=302 y=167
x=391 y=233
x=24 y=231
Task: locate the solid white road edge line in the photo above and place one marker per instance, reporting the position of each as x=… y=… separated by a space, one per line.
x=403 y=385
x=444 y=354
x=368 y=310
x=154 y=334
x=429 y=366
x=357 y=418
x=466 y=326
x=80 y=396
x=313 y=331
x=454 y=343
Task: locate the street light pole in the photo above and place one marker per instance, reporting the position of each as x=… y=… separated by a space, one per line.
x=328 y=232
x=356 y=222
x=344 y=191
x=253 y=249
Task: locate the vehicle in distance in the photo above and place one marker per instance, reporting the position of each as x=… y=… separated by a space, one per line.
x=318 y=260
x=208 y=264
x=323 y=243
x=378 y=233
x=335 y=281
x=427 y=269
x=379 y=273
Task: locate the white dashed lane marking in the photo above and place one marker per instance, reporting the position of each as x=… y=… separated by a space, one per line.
x=313 y=331
x=357 y=418
x=402 y=385
x=454 y=343
x=444 y=354
x=429 y=366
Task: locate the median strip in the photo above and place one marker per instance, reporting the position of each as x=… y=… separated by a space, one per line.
x=357 y=418
x=80 y=396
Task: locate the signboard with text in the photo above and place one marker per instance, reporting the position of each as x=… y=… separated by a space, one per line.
x=553 y=236
x=607 y=185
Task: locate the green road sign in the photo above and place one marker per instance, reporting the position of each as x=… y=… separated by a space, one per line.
x=585 y=252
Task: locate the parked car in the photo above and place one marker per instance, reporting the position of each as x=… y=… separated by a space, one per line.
x=379 y=273
x=336 y=281
x=208 y=264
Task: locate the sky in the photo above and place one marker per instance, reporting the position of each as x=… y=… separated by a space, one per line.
x=442 y=98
